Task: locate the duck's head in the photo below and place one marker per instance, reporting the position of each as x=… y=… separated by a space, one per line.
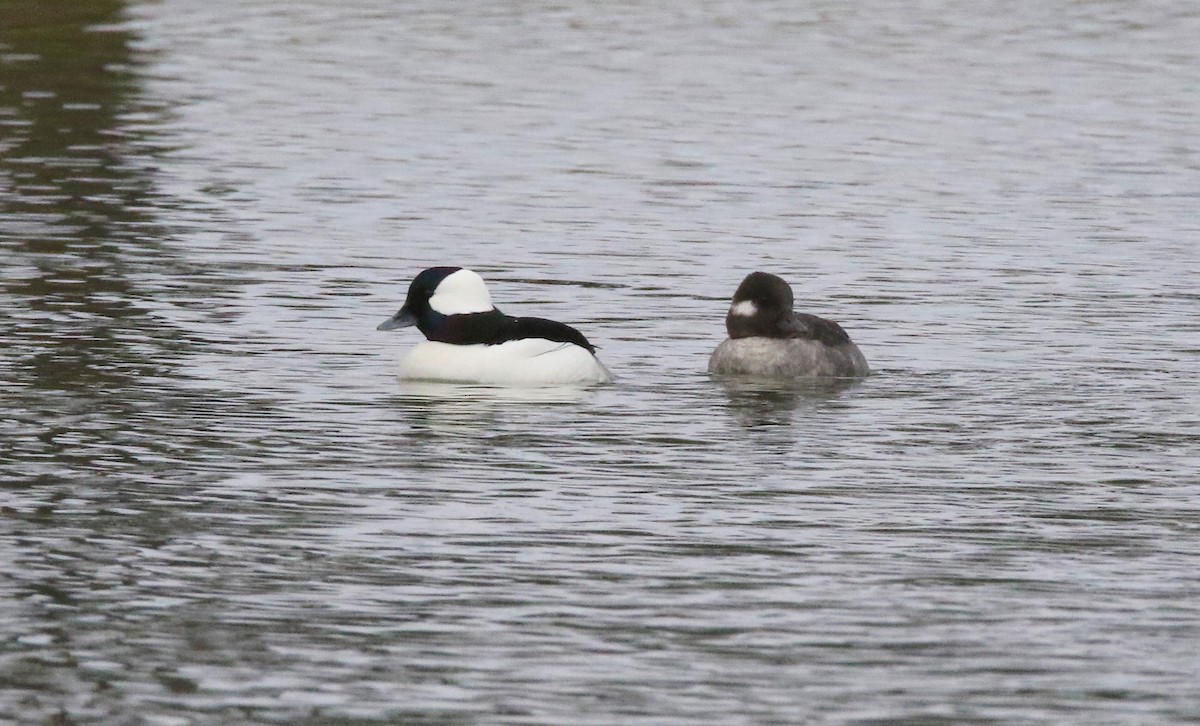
x=762 y=308
x=438 y=293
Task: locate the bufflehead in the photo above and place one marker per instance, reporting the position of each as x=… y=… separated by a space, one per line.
x=470 y=341
x=767 y=338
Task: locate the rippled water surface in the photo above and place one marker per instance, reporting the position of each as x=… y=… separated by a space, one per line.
x=219 y=506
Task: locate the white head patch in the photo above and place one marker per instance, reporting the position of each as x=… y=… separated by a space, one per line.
x=461 y=292
x=745 y=308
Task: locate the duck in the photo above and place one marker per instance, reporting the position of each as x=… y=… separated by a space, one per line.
x=467 y=340
x=768 y=338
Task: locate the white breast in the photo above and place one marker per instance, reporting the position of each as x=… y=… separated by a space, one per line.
x=527 y=362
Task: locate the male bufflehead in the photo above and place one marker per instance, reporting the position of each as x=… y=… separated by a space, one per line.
x=767 y=338
x=470 y=341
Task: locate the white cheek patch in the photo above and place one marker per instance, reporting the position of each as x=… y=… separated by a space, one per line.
x=745 y=308
x=461 y=293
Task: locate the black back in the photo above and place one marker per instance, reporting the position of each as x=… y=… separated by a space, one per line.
x=518 y=328
x=490 y=328
x=494 y=327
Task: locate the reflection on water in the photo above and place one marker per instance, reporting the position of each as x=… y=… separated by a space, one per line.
x=219 y=505
x=80 y=338
x=468 y=410
x=471 y=396
x=765 y=401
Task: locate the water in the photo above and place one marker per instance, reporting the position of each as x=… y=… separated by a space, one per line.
x=219 y=506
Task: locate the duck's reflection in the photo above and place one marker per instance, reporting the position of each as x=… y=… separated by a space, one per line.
x=762 y=401
x=466 y=409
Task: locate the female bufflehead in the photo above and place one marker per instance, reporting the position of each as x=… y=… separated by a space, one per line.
x=470 y=341
x=766 y=338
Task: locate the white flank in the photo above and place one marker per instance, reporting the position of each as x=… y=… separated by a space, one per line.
x=461 y=292
x=790 y=358
x=745 y=308
x=527 y=362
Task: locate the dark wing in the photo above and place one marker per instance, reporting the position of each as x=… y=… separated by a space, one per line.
x=811 y=327
x=518 y=328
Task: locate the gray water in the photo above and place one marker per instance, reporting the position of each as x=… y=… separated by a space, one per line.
x=219 y=506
